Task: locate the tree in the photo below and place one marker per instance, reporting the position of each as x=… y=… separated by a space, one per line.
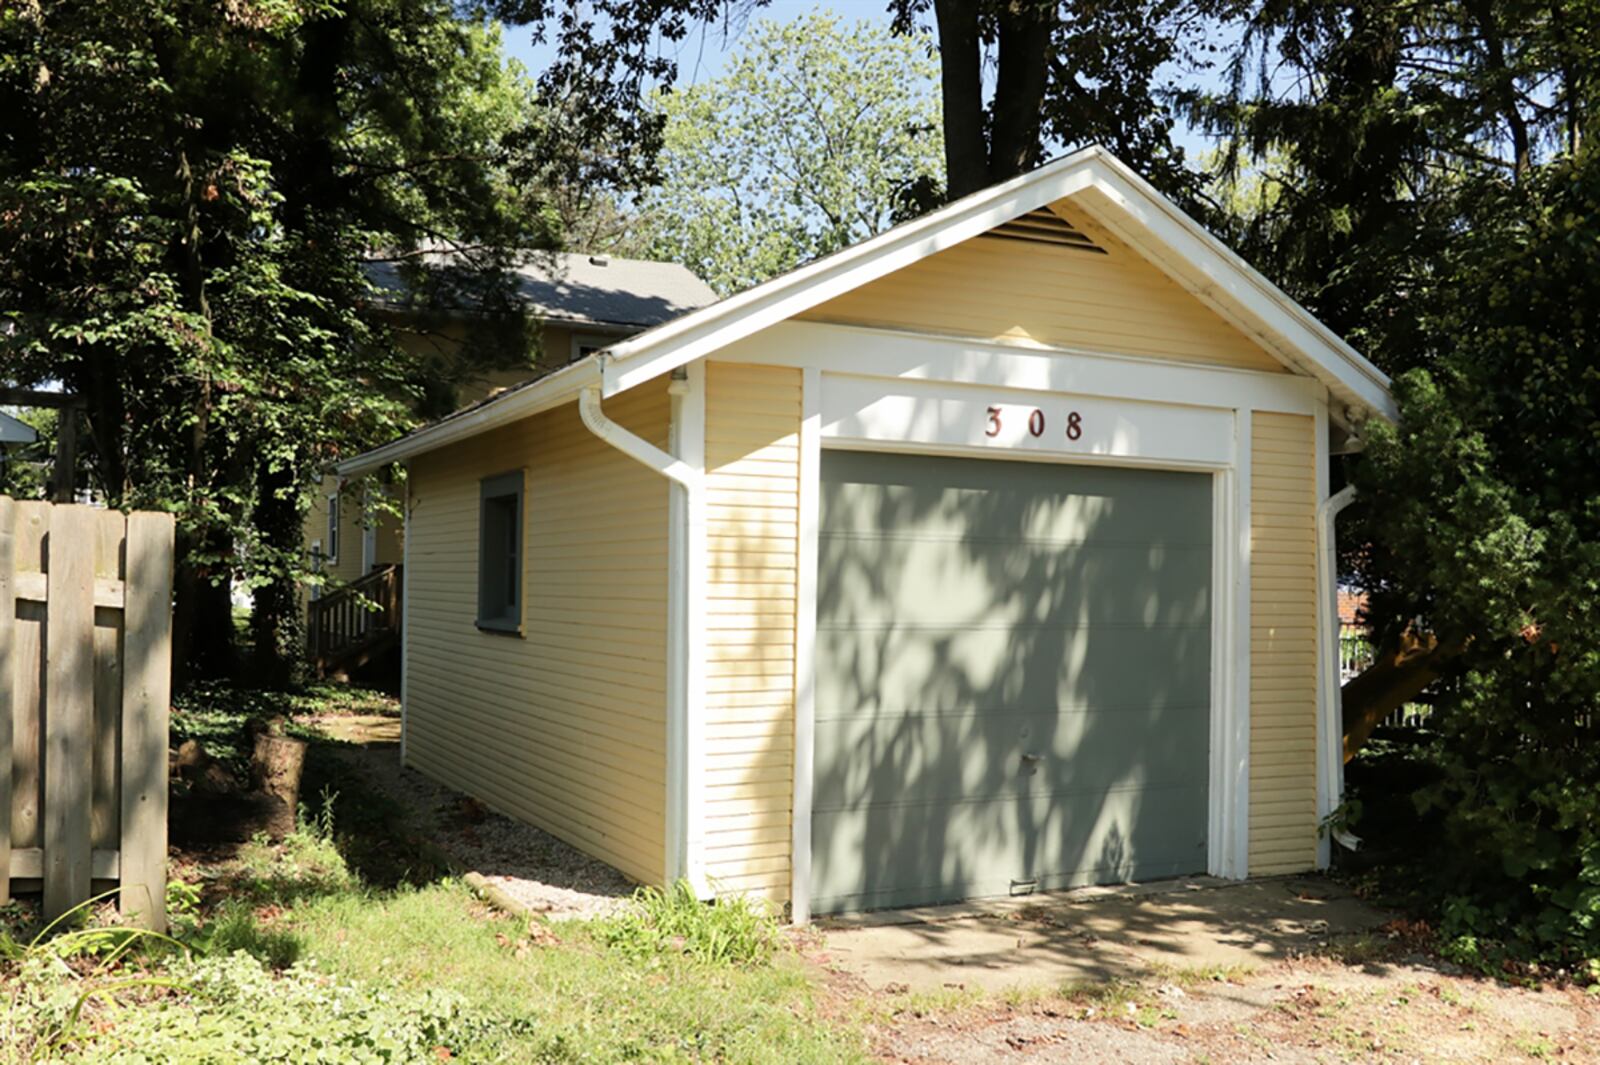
x=1068 y=72
x=811 y=141
x=1376 y=133
x=1479 y=521
x=1369 y=119
x=188 y=194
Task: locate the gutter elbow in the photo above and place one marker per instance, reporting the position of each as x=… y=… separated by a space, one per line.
x=637 y=448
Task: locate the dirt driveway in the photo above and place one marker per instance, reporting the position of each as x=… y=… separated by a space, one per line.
x=1292 y=970
x=1097 y=935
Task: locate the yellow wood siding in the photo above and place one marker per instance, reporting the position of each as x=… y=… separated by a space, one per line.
x=752 y=536
x=1062 y=297
x=564 y=727
x=1283 y=644
x=347 y=566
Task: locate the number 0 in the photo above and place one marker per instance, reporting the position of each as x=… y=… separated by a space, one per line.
x=1036 y=422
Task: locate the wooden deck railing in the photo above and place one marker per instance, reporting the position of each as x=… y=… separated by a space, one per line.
x=352 y=621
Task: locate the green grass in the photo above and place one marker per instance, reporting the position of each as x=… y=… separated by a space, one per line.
x=343 y=939
x=581 y=999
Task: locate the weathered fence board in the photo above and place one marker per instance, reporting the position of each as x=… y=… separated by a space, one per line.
x=68 y=707
x=146 y=704
x=85 y=659
x=8 y=625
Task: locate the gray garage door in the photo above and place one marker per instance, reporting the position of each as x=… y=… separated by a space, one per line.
x=1013 y=673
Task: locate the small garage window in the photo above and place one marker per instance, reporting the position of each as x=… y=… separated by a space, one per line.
x=500 y=553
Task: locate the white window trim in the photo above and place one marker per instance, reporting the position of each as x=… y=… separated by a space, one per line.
x=369 y=532
x=334 y=529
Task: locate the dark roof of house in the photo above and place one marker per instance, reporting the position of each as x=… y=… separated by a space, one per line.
x=585 y=289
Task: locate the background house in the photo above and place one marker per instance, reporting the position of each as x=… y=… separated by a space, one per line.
x=579 y=303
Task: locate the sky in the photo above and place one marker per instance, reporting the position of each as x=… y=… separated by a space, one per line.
x=703 y=52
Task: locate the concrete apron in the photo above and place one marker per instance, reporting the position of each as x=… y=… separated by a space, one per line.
x=1094 y=934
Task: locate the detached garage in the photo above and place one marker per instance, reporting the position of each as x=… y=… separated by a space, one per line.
x=990 y=556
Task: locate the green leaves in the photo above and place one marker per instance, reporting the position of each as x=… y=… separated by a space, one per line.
x=1478 y=521
x=808 y=143
x=188 y=197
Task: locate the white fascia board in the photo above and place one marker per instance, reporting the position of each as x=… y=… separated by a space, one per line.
x=702 y=332
x=1141 y=216
x=563 y=386
x=1211 y=270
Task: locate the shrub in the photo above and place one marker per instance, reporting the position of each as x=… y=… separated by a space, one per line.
x=1481 y=515
x=730 y=931
x=232 y=1008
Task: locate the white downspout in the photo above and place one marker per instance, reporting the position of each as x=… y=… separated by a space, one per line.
x=682 y=859
x=1331 y=790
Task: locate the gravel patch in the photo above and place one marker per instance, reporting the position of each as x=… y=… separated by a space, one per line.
x=537 y=870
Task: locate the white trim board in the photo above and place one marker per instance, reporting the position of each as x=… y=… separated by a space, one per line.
x=825 y=394
x=1018 y=424
x=1115 y=195
x=1118 y=198
x=977 y=363
x=805 y=643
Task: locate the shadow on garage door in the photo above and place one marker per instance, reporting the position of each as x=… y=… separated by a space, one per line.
x=1013 y=678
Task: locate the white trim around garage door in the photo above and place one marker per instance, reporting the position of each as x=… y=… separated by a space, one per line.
x=894 y=414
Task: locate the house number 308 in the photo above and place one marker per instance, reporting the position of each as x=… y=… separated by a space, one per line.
x=1036 y=423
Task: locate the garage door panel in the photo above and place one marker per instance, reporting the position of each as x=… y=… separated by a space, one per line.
x=1001 y=500
x=877 y=582
x=888 y=673
x=1013 y=677
x=905 y=853
x=955 y=761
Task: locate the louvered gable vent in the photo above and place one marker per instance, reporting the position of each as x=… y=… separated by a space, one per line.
x=1044 y=226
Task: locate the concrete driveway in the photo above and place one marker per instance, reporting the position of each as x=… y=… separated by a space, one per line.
x=1094 y=935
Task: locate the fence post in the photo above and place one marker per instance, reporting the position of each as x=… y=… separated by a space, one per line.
x=8 y=623
x=69 y=708
x=146 y=705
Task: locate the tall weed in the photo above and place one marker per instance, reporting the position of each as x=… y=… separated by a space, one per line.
x=735 y=930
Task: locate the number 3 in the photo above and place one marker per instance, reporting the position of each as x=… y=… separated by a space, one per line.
x=994 y=422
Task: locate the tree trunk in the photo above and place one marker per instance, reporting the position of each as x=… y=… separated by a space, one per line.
x=202 y=620
x=966 y=155
x=1019 y=87
x=1396 y=676
x=277 y=764
x=277 y=628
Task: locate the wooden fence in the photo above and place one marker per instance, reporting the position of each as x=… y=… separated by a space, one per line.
x=85 y=686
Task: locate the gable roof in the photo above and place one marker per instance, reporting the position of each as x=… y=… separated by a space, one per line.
x=597 y=290
x=1099 y=183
